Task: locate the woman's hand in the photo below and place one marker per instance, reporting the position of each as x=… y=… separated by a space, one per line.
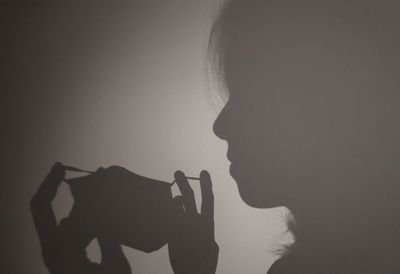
x=192 y=248
x=48 y=189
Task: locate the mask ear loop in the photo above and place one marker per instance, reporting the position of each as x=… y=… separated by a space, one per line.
x=189 y=178
x=71 y=168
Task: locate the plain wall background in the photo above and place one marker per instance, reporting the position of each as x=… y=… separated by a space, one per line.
x=105 y=83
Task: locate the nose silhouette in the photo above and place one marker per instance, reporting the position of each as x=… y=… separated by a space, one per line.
x=220 y=124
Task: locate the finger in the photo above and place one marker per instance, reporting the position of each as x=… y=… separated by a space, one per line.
x=178 y=216
x=187 y=192
x=57 y=166
x=58 y=170
x=178 y=204
x=207 y=197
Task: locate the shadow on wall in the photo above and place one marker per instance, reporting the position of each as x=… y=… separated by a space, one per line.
x=312 y=124
x=118 y=207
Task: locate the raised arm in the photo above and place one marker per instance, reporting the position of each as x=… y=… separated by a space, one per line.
x=43 y=215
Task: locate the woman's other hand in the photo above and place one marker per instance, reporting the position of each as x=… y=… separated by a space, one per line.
x=192 y=248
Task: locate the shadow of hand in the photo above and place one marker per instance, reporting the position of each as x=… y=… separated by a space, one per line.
x=192 y=248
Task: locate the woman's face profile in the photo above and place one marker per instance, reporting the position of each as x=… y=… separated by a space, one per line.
x=268 y=134
x=269 y=120
x=303 y=110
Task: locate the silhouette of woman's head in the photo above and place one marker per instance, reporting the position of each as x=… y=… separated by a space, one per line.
x=312 y=115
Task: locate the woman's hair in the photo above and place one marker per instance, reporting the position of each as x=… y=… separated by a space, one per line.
x=215 y=50
x=357 y=42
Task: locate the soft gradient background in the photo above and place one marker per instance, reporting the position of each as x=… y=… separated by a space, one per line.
x=105 y=83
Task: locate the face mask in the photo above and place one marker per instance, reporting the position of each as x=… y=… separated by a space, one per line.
x=132 y=210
